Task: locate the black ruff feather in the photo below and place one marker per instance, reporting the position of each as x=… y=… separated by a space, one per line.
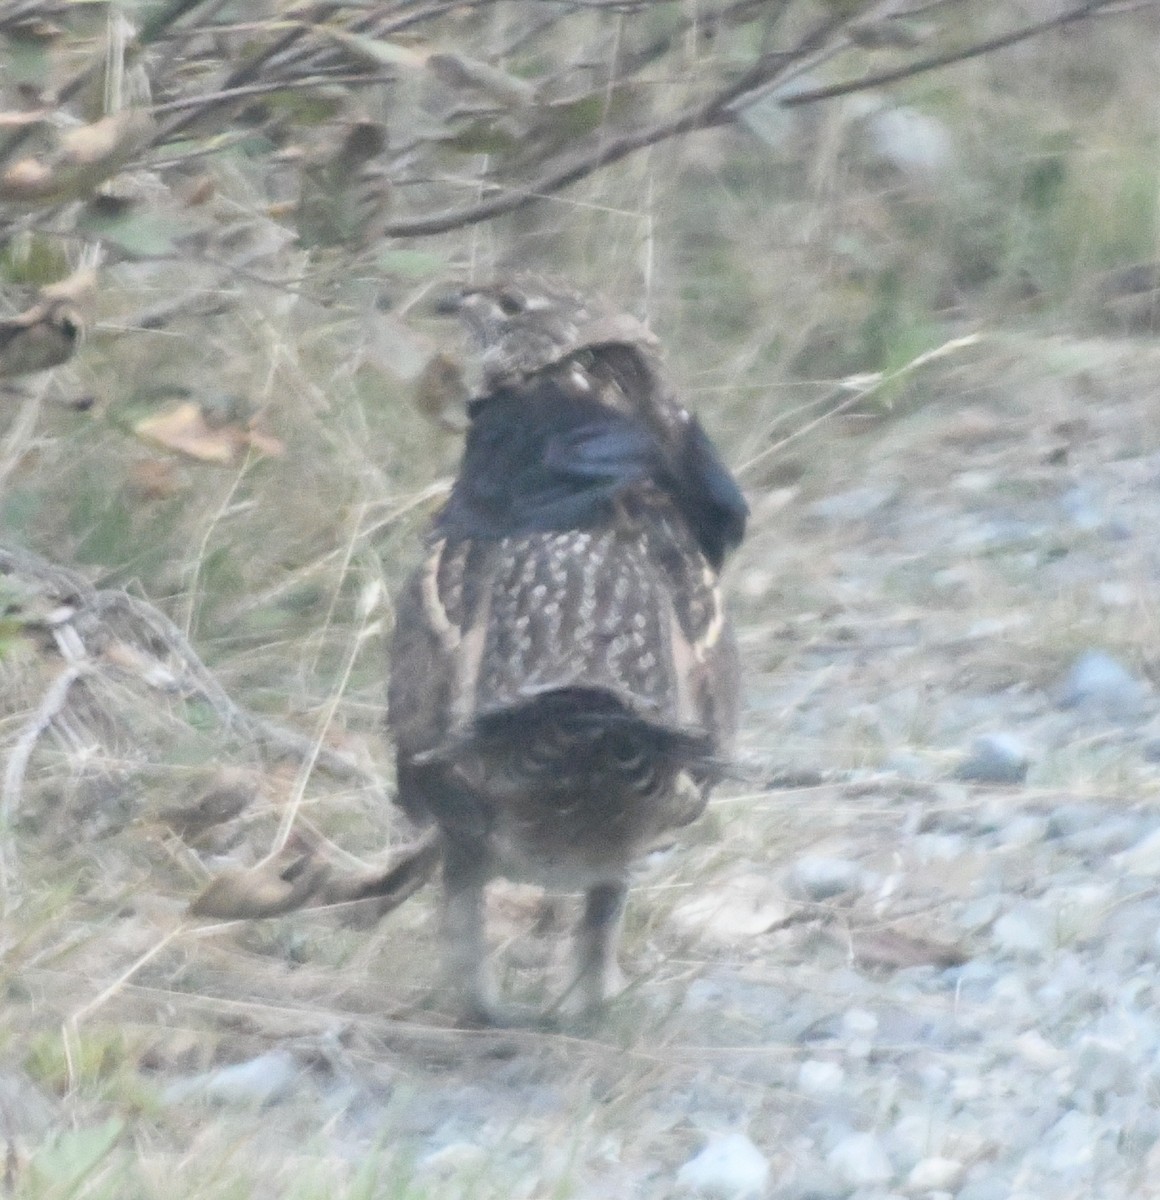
x=540 y=459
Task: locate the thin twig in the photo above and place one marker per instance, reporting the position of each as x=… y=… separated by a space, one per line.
x=718 y=109
x=1079 y=13
x=49 y=708
x=705 y=114
x=205 y=103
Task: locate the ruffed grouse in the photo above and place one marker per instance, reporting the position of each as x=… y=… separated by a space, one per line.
x=564 y=680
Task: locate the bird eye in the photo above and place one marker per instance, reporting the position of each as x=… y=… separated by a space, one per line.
x=511 y=304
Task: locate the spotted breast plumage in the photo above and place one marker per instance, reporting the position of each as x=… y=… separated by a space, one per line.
x=564 y=679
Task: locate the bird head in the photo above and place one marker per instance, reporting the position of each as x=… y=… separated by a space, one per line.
x=575 y=388
x=524 y=324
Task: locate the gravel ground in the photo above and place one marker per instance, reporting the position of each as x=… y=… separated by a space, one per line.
x=913 y=954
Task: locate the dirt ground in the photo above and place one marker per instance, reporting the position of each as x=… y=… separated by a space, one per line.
x=911 y=950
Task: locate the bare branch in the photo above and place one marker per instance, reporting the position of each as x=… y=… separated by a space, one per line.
x=1070 y=17
x=198 y=106
x=716 y=110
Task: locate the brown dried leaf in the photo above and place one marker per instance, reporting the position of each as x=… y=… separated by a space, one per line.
x=146 y=667
x=203 y=189
x=78 y=288
x=186 y=430
x=17 y=120
x=264 y=443
x=735 y=911
x=154 y=479
x=230 y=794
x=441 y=392
x=267 y=891
x=84 y=157
x=106 y=143
x=26 y=181
x=259 y=892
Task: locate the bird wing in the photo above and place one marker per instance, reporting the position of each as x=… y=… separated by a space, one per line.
x=630 y=611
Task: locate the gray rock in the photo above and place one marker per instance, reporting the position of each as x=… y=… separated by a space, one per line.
x=453 y=1158
x=1108 y=836
x=1080 y=510
x=908 y=765
x=934 y=1174
x=854 y=505
x=730 y=1167
x=1105 y=1065
x=1067 y=819
x=1100 y=686
x=1027 y=829
x=1115 y=594
x=256 y=1082
x=860 y=1160
x=1071 y=1142
x=993 y=1186
x=816 y=1077
x=859 y=1023
x=995 y=758
x=1026 y=929
x=818 y=877
x=1143 y=858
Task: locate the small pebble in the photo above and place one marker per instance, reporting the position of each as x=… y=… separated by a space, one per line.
x=940 y=847
x=1037 y=1051
x=1105 y=1065
x=1115 y=595
x=860 y=1160
x=1071 y=1141
x=730 y=1167
x=1099 y=685
x=1026 y=929
x=1107 y=836
x=859 y=1022
x=995 y=758
x=454 y=1157
x=817 y=877
x=934 y=1174
x=1067 y=819
x=990 y=1187
x=1081 y=909
x=819 y=1078
x=1143 y=858
x=259 y=1081
x=1027 y=829
x=854 y=505
x=1080 y=510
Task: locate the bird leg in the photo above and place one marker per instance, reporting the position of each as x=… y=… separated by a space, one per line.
x=467 y=973
x=598 y=977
